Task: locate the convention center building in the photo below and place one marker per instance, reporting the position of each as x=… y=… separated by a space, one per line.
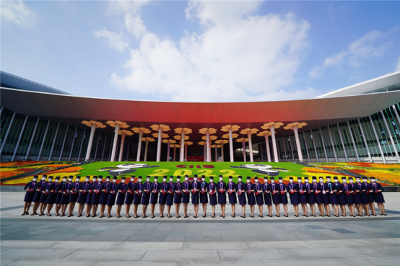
x=357 y=123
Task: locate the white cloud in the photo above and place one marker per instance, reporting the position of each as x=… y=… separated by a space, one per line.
x=365 y=47
x=398 y=65
x=115 y=40
x=237 y=56
x=17 y=12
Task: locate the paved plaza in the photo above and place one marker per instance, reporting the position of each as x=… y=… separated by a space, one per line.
x=27 y=240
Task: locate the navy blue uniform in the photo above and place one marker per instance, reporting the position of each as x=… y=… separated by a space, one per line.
x=267 y=194
x=122 y=188
x=241 y=187
x=170 y=196
x=357 y=195
x=203 y=192
x=258 y=188
x=59 y=189
x=251 y=200
x=370 y=194
x=310 y=193
x=283 y=194
x=38 y=192
x=275 y=197
x=186 y=193
x=195 y=192
x=130 y=188
x=302 y=193
x=89 y=195
x=340 y=194
x=178 y=192
x=112 y=194
x=163 y=193
x=96 y=186
x=104 y=193
x=212 y=189
x=317 y=192
x=378 y=196
x=332 y=193
x=349 y=197
x=84 y=188
x=31 y=186
x=325 y=194
x=231 y=188
x=137 y=196
x=293 y=190
x=146 y=193
x=45 y=192
x=364 y=189
x=73 y=197
x=155 y=187
x=51 y=199
x=66 y=191
x=221 y=192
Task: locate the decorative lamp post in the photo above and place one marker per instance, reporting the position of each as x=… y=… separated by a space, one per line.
x=169 y=142
x=93 y=125
x=160 y=128
x=249 y=132
x=208 y=132
x=211 y=138
x=230 y=136
x=203 y=143
x=175 y=146
x=187 y=143
x=183 y=131
x=140 y=131
x=295 y=127
x=272 y=126
x=266 y=133
x=147 y=140
x=124 y=133
x=221 y=142
x=230 y=129
x=117 y=125
x=243 y=141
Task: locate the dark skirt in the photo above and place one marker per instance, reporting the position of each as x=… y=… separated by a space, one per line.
x=186 y=197
x=95 y=198
x=36 y=197
x=128 y=198
x=267 y=199
x=311 y=198
x=29 y=196
x=350 y=199
x=58 y=198
x=341 y=199
x=379 y=197
x=251 y=199
x=43 y=198
x=89 y=198
x=177 y=198
x=82 y=197
x=357 y=198
x=195 y=198
x=103 y=198
x=371 y=197
x=232 y=198
x=213 y=199
x=170 y=199
x=325 y=199
x=294 y=198
x=276 y=198
x=318 y=198
x=242 y=198
x=64 y=199
x=73 y=198
x=111 y=199
x=51 y=199
x=260 y=199
x=222 y=198
x=333 y=199
x=120 y=198
x=283 y=198
x=303 y=198
x=145 y=198
x=203 y=198
x=163 y=199
x=137 y=199
x=364 y=198
x=153 y=198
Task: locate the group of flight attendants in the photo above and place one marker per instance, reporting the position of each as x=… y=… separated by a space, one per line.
x=358 y=196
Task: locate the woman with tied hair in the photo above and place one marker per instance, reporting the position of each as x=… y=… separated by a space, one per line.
x=203 y=195
x=241 y=188
x=121 y=189
x=30 y=192
x=130 y=191
x=170 y=196
x=212 y=190
x=186 y=195
x=378 y=196
x=195 y=195
x=267 y=196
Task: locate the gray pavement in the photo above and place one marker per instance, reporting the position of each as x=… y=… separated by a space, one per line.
x=27 y=240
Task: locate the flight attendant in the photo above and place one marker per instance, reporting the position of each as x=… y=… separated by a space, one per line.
x=232 y=188
x=348 y=191
x=326 y=198
x=371 y=199
x=203 y=195
x=137 y=196
x=89 y=197
x=341 y=197
x=212 y=189
x=83 y=194
x=177 y=195
x=105 y=189
x=318 y=195
x=146 y=196
x=51 y=199
x=258 y=188
x=222 y=195
x=283 y=196
x=30 y=192
x=59 y=189
x=250 y=196
x=378 y=196
x=122 y=188
x=170 y=196
x=357 y=196
x=310 y=195
x=195 y=195
x=73 y=197
x=276 y=199
x=267 y=196
x=241 y=189
x=45 y=195
x=130 y=191
x=364 y=197
x=333 y=196
x=65 y=197
x=96 y=186
x=292 y=188
x=112 y=194
x=38 y=194
x=163 y=195
x=154 y=195
x=186 y=196
x=302 y=196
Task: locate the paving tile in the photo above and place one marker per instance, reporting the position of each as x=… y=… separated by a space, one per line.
x=32 y=253
x=51 y=262
x=180 y=255
x=100 y=255
x=251 y=255
x=194 y=239
x=343 y=231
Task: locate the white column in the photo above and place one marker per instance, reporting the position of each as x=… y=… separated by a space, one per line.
x=216 y=154
x=145 y=151
x=250 y=146
x=139 y=148
x=159 y=144
x=244 y=150
x=208 y=147
x=230 y=145
x=182 y=146
x=186 y=148
x=174 y=152
x=89 y=147
x=168 y=151
x=114 y=148
x=267 y=147
x=296 y=136
x=121 y=150
x=222 y=151
x=205 y=152
x=274 y=145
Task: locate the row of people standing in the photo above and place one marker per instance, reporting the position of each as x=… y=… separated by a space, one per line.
x=92 y=194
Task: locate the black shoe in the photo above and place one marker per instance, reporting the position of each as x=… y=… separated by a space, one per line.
x=161 y=216
x=296 y=216
x=204 y=216
x=119 y=216
x=152 y=217
x=32 y=214
x=87 y=216
x=23 y=214
x=178 y=216
x=277 y=215
x=79 y=215
x=385 y=214
x=244 y=216
x=169 y=216
x=69 y=215
x=233 y=216
x=135 y=216
x=213 y=216
x=128 y=216
x=286 y=215
x=195 y=217
x=252 y=216
x=48 y=214
x=94 y=215
x=57 y=214
x=223 y=216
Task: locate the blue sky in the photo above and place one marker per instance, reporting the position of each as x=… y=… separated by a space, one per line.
x=199 y=51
